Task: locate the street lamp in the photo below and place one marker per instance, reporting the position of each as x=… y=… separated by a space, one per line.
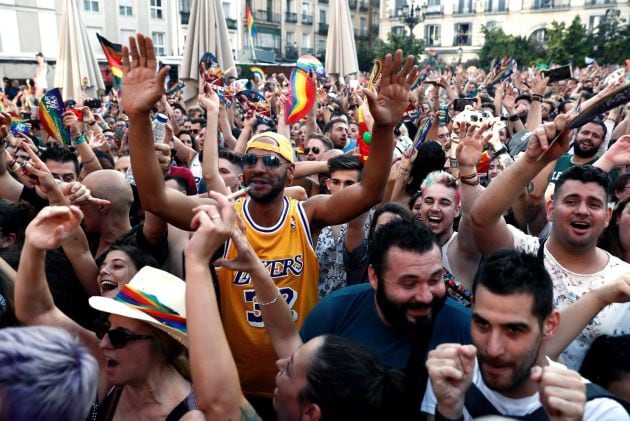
x=412 y=16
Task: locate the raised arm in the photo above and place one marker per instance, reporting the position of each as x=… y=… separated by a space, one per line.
x=144 y=88
x=386 y=108
x=10 y=188
x=210 y=167
x=217 y=386
x=489 y=227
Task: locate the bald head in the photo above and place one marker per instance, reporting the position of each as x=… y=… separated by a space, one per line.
x=110 y=185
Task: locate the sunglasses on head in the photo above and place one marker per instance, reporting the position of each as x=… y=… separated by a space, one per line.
x=119 y=337
x=315 y=150
x=270 y=161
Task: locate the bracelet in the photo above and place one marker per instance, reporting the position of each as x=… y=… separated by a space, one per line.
x=468 y=177
x=468 y=182
x=275 y=300
x=79 y=140
x=514 y=117
x=536 y=97
x=91 y=123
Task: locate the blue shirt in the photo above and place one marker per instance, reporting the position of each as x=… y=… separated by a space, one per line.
x=351 y=313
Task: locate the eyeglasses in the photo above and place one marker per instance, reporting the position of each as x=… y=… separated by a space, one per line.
x=315 y=150
x=119 y=337
x=270 y=161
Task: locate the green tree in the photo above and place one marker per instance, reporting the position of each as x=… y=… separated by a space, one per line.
x=497 y=44
x=611 y=38
x=395 y=42
x=567 y=43
x=555 y=46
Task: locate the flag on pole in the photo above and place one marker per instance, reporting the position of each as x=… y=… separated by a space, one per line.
x=251 y=28
x=113 y=53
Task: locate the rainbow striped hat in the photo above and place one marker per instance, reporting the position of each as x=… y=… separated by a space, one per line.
x=153 y=296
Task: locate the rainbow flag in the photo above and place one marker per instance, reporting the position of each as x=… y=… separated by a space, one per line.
x=308 y=62
x=303 y=95
x=421 y=77
x=423 y=131
x=502 y=70
x=251 y=28
x=113 y=53
x=51 y=109
x=18 y=125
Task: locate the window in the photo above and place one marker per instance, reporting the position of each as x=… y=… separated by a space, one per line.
x=125 y=8
x=593 y=23
x=156 y=9
x=465 y=6
x=432 y=35
x=158 y=42
x=398 y=30
x=495 y=6
x=463 y=34
x=539 y=36
x=306 y=40
x=322 y=16
x=90 y=6
x=184 y=11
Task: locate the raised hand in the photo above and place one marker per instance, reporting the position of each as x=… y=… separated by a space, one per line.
x=472 y=141
x=52 y=225
x=562 y=392
x=71 y=122
x=79 y=195
x=142 y=86
x=541 y=141
x=540 y=84
x=391 y=102
x=450 y=368
x=213 y=225
x=617 y=291
x=618 y=155
x=209 y=99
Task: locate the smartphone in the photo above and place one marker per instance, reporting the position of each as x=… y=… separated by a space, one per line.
x=93 y=103
x=460 y=103
x=78 y=113
x=559 y=73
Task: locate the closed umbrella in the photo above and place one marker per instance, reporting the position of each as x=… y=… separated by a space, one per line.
x=207 y=32
x=341 y=52
x=76 y=69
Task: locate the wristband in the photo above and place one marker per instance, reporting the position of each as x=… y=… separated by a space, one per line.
x=468 y=177
x=536 y=97
x=91 y=123
x=514 y=117
x=79 y=140
x=468 y=181
x=275 y=300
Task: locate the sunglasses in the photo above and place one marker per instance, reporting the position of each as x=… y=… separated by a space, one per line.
x=119 y=337
x=270 y=161
x=315 y=150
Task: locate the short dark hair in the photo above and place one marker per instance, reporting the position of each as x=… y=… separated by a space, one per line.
x=322 y=138
x=620 y=183
x=526 y=97
x=347 y=382
x=431 y=157
x=600 y=124
x=584 y=174
x=138 y=256
x=411 y=236
x=389 y=207
x=202 y=121
x=60 y=154
x=329 y=126
x=181 y=132
x=15 y=217
x=345 y=162
x=234 y=157
x=507 y=272
x=607 y=360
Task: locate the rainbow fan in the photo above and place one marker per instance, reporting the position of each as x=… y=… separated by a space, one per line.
x=51 y=109
x=308 y=62
x=258 y=71
x=303 y=95
x=421 y=77
x=423 y=131
x=502 y=71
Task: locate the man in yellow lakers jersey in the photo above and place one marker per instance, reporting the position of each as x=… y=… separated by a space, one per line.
x=280 y=229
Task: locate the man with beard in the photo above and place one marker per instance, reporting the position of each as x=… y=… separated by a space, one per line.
x=586 y=146
x=404 y=303
x=280 y=229
x=505 y=371
x=579 y=213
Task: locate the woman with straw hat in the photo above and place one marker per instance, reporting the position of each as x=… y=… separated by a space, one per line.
x=143 y=371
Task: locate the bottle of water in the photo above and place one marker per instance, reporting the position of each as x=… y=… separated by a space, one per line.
x=158 y=126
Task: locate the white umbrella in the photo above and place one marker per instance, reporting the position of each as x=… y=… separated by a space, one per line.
x=76 y=69
x=207 y=32
x=341 y=52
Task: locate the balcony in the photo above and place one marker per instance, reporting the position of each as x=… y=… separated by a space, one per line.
x=361 y=34
x=307 y=19
x=266 y=17
x=323 y=1
x=290 y=52
x=428 y=42
x=376 y=3
x=231 y=23
x=352 y=4
x=463 y=39
x=307 y=51
x=363 y=6
x=546 y=5
x=322 y=28
x=434 y=10
x=493 y=9
x=290 y=17
x=599 y=3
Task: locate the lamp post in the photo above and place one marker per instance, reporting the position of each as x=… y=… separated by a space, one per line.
x=412 y=16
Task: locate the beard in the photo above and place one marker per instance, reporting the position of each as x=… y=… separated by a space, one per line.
x=395 y=314
x=584 y=153
x=276 y=189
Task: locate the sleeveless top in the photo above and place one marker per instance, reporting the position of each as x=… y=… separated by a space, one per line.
x=105 y=410
x=286 y=249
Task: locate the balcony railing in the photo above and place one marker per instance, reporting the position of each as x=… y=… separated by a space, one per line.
x=550 y=4
x=322 y=28
x=307 y=51
x=430 y=43
x=376 y=3
x=435 y=10
x=265 y=16
x=465 y=10
x=375 y=29
x=600 y=3
x=307 y=19
x=361 y=34
x=496 y=9
x=363 y=6
x=323 y=1
x=290 y=53
x=290 y=17
x=352 y=4
x=231 y=23
x=462 y=40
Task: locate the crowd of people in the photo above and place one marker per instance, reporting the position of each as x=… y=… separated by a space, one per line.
x=447 y=249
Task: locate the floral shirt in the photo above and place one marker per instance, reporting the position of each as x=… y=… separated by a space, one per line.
x=570 y=286
x=329 y=251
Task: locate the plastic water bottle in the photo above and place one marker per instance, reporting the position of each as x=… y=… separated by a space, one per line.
x=158 y=126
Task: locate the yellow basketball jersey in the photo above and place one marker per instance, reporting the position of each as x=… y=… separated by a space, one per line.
x=286 y=249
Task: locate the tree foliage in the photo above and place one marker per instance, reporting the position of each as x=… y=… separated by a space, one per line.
x=498 y=44
x=611 y=38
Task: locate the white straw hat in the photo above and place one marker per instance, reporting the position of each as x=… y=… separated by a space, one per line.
x=153 y=296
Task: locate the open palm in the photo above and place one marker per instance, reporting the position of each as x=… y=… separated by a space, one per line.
x=142 y=86
x=53 y=225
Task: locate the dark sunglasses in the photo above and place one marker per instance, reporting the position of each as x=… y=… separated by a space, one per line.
x=119 y=337
x=270 y=161
x=315 y=150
